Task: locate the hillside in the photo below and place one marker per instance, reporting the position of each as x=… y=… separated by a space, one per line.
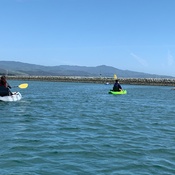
x=19 y=68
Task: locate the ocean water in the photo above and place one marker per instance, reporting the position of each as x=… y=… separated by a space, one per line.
x=78 y=128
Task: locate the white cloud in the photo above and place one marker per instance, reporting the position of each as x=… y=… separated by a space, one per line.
x=141 y=61
x=170 y=59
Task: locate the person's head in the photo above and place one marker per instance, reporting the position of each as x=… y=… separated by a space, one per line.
x=3 y=77
x=116 y=81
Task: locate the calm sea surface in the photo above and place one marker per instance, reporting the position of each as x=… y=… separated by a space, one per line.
x=78 y=129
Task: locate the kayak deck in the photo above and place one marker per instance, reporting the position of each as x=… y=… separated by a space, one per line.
x=118 y=92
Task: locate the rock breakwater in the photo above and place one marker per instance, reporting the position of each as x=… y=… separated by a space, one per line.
x=102 y=80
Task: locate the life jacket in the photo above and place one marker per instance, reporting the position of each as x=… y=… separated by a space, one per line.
x=4 y=91
x=116 y=87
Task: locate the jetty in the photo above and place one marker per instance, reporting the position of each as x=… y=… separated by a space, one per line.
x=101 y=80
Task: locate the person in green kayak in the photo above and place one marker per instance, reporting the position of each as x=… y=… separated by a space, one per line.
x=117 y=86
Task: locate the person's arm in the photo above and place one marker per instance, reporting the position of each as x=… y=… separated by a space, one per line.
x=120 y=88
x=9 y=86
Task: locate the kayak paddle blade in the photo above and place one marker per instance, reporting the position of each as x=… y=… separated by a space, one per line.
x=23 y=86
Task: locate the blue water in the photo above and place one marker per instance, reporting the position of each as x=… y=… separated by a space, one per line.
x=78 y=128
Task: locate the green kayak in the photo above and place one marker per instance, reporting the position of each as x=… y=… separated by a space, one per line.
x=118 y=92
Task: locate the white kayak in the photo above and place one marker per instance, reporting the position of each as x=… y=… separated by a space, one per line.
x=15 y=97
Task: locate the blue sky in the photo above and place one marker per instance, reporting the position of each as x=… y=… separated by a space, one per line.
x=137 y=35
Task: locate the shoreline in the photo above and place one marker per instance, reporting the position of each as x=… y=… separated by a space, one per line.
x=100 y=80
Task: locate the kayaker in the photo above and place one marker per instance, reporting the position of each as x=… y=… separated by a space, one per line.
x=117 y=86
x=4 y=87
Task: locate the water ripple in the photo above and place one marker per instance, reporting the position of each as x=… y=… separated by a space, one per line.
x=84 y=130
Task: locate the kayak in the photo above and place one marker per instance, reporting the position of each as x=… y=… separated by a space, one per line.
x=118 y=92
x=15 y=97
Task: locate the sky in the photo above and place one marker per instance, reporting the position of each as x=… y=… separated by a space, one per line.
x=136 y=35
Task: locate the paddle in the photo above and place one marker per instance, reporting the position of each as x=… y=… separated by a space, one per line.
x=22 y=86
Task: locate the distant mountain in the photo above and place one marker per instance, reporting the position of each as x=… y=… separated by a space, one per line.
x=19 y=68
